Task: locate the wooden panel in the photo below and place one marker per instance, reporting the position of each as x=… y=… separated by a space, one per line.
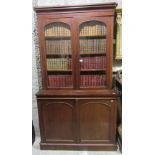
x=95 y=120
x=58 y=120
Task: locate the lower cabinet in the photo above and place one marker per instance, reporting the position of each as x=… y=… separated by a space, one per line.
x=78 y=123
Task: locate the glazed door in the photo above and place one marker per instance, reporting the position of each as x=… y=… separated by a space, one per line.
x=57 y=53
x=94 y=52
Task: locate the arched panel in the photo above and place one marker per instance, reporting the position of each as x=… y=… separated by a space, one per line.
x=91 y=28
x=59 y=119
x=93 y=50
x=57 y=29
x=95 y=119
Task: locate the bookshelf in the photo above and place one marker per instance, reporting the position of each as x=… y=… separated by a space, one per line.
x=77 y=106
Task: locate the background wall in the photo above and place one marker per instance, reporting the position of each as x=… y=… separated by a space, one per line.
x=36 y=80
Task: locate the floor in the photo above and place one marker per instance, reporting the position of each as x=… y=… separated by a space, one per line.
x=37 y=151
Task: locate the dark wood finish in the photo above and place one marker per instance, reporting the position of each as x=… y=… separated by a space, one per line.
x=58 y=119
x=75 y=7
x=95 y=117
x=83 y=123
x=77 y=118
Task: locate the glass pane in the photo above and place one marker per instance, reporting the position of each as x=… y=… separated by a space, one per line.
x=58 y=55
x=93 y=54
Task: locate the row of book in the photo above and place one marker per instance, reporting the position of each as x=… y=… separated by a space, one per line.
x=92 y=80
x=60 y=81
x=57 y=30
x=58 y=46
x=98 y=62
x=92 y=29
x=58 y=64
x=93 y=46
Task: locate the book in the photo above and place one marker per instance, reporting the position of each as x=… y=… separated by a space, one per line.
x=92 y=80
x=60 y=81
x=57 y=64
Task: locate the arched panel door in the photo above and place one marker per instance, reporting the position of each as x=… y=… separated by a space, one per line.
x=59 y=120
x=95 y=118
x=58 y=55
x=93 y=54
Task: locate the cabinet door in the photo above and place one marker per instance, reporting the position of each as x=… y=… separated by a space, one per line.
x=97 y=119
x=95 y=52
x=57 y=120
x=56 y=53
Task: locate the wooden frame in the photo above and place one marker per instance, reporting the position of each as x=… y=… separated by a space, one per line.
x=118 y=34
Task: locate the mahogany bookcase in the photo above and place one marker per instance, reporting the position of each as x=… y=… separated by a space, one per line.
x=77 y=106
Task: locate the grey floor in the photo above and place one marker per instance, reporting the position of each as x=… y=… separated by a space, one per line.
x=37 y=151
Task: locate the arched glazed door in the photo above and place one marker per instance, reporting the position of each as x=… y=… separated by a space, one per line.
x=93 y=54
x=58 y=55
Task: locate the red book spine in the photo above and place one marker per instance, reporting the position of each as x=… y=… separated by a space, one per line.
x=91 y=80
x=102 y=64
x=81 y=80
x=97 y=63
x=85 y=80
x=94 y=62
x=57 y=81
x=49 y=81
x=98 y=80
x=62 y=80
x=69 y=81
x=82 y=63
x=105 y=63
x=95 y=80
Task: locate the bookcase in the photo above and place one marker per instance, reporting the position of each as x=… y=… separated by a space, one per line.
x=77 y=106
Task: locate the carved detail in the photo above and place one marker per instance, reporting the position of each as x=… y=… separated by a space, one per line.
x=103 y=103
x=68 y=104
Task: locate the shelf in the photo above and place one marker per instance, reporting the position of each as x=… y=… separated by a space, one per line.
x=93 y=37
x=92 y=54
x=58 y=37
x=93 y=70
x=93 y=87
x=59 y=70
x=58 y=55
